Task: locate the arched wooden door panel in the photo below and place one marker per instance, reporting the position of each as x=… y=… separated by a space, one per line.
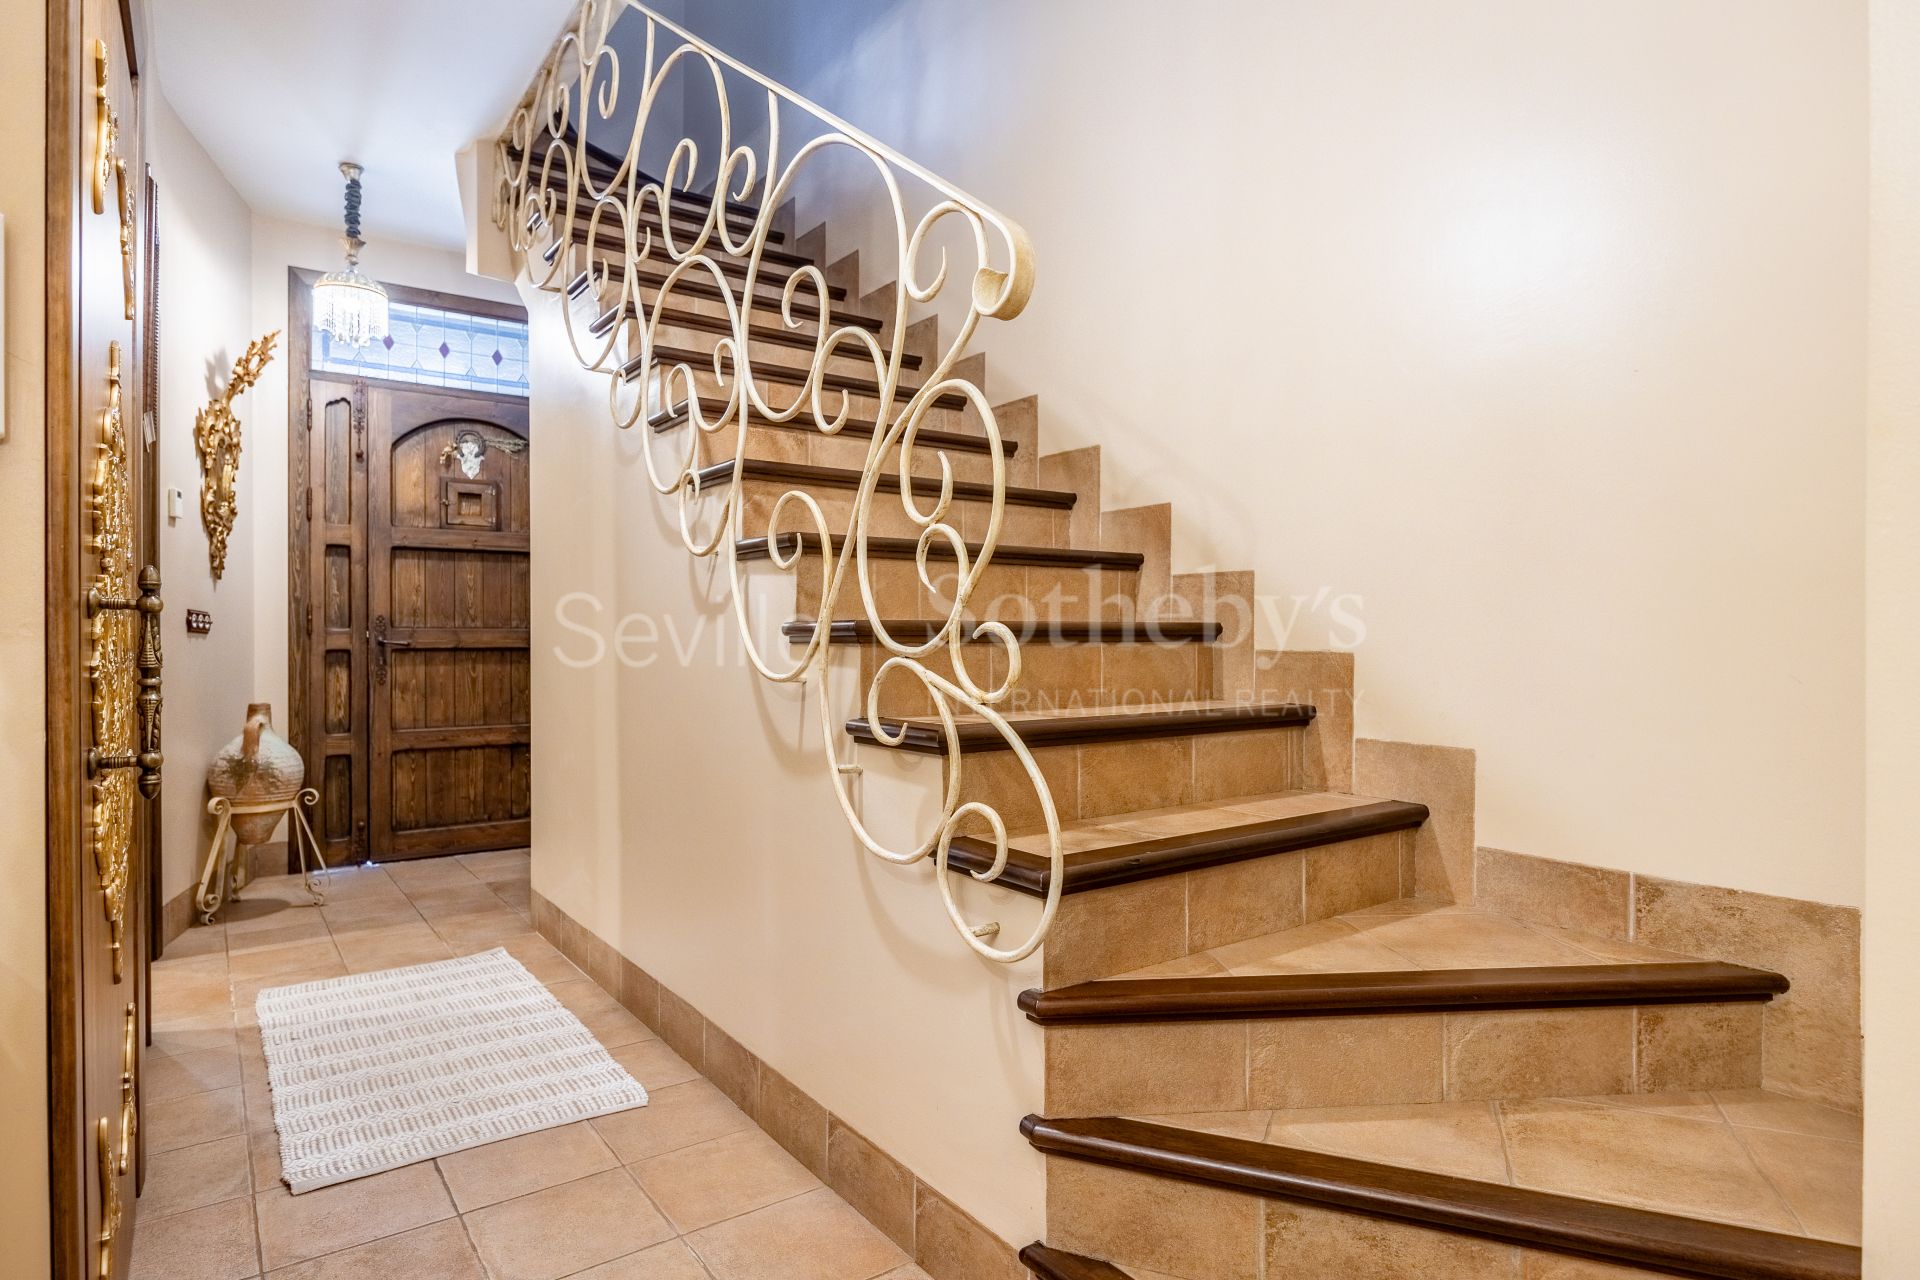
x=447 y=644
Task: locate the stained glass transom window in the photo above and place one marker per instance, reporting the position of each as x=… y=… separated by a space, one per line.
x=436 y=348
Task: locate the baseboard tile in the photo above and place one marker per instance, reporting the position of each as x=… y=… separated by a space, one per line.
x=943 y=1239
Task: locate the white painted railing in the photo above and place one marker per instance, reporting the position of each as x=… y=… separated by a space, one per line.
x=559 y=178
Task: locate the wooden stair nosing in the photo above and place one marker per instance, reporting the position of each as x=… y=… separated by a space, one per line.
x=1057 y=1264
x=1115 y=1000
x=1077 y=730
x=857 y=428
x=1030 y=873
x=1590 y=1229
x=1090 y=631
x=689 y=215
x=603 y=164
x=687 y=228
x=649 y=276
x=938 y=549
x=676 y=319
x=774 y=274
x=785 y=374
x=805 y=473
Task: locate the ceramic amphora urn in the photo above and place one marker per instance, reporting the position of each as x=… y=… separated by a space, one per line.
x=258 y=767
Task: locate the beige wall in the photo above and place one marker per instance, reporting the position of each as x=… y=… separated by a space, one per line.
x=1537 y=328
x=278 y=244
x=682 y=812
x=206 y=322
x=1893 y=640
x=24 y=1206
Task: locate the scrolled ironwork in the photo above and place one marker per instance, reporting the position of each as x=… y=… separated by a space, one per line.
x=555 y=180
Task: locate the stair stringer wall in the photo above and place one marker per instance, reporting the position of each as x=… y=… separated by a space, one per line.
x=684 y=814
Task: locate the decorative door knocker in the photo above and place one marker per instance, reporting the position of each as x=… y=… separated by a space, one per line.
x=216 y=436
x=124 y=669
x=469 y=449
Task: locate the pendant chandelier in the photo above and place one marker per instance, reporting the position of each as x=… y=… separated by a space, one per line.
x=348 y=306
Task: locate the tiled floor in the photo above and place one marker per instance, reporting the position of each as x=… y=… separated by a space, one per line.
x=1746 y=1156
x=1408 y=934
x=686 y=1188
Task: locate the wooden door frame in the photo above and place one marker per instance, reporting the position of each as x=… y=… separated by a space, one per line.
x=67 y=727
x=302 y=721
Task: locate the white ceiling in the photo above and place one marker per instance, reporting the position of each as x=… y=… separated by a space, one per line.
x=280 y=93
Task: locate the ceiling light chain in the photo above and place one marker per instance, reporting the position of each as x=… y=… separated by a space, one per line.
x=348 y=306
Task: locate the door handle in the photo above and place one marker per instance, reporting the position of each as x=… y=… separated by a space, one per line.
x=382 y=643
x=149 y=663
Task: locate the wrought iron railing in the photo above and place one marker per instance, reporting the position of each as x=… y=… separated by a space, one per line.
x=559 y=179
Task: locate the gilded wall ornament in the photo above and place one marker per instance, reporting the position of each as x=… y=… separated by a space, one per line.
x=110 y=169
x=216 y=436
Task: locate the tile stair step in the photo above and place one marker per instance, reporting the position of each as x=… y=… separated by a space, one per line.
x=784 y=375
x=651 y=275
x=771 y=334
x=1611 y=1180
x=856 y=428
x=924 y=489
x=1109 y=851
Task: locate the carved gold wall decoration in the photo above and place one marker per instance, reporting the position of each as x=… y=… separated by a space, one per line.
x=110 y=169
x=216 y=435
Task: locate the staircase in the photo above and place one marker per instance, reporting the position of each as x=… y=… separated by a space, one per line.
x=1265 y=1056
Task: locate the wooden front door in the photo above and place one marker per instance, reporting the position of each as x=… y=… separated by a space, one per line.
x=104 y=646
x=419 y=660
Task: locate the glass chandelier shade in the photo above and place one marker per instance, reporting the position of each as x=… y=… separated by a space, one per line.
x=349 y=306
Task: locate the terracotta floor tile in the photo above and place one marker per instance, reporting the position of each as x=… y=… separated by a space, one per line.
x=263 y=1153
x=178 y=1075
x=290 y=962
x=699 y=1185
x=654 y=1064
x=600 y=1013
x=568 y=1228
x=553 y=1204
x=1818 y=1177
x=439 y=1251
x=811 y=1237
x=196 y=1118
x=674 y=1118
x=193 y=1177
x=296 y=1228
x=186 y=1039
x=669 y=1261
x=1639 y=1158
x=541 y=958
x=532 y=1162
x=198 y=940
x=211 y=1243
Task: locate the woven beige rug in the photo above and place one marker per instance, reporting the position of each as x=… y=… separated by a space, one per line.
x=378 y=1070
